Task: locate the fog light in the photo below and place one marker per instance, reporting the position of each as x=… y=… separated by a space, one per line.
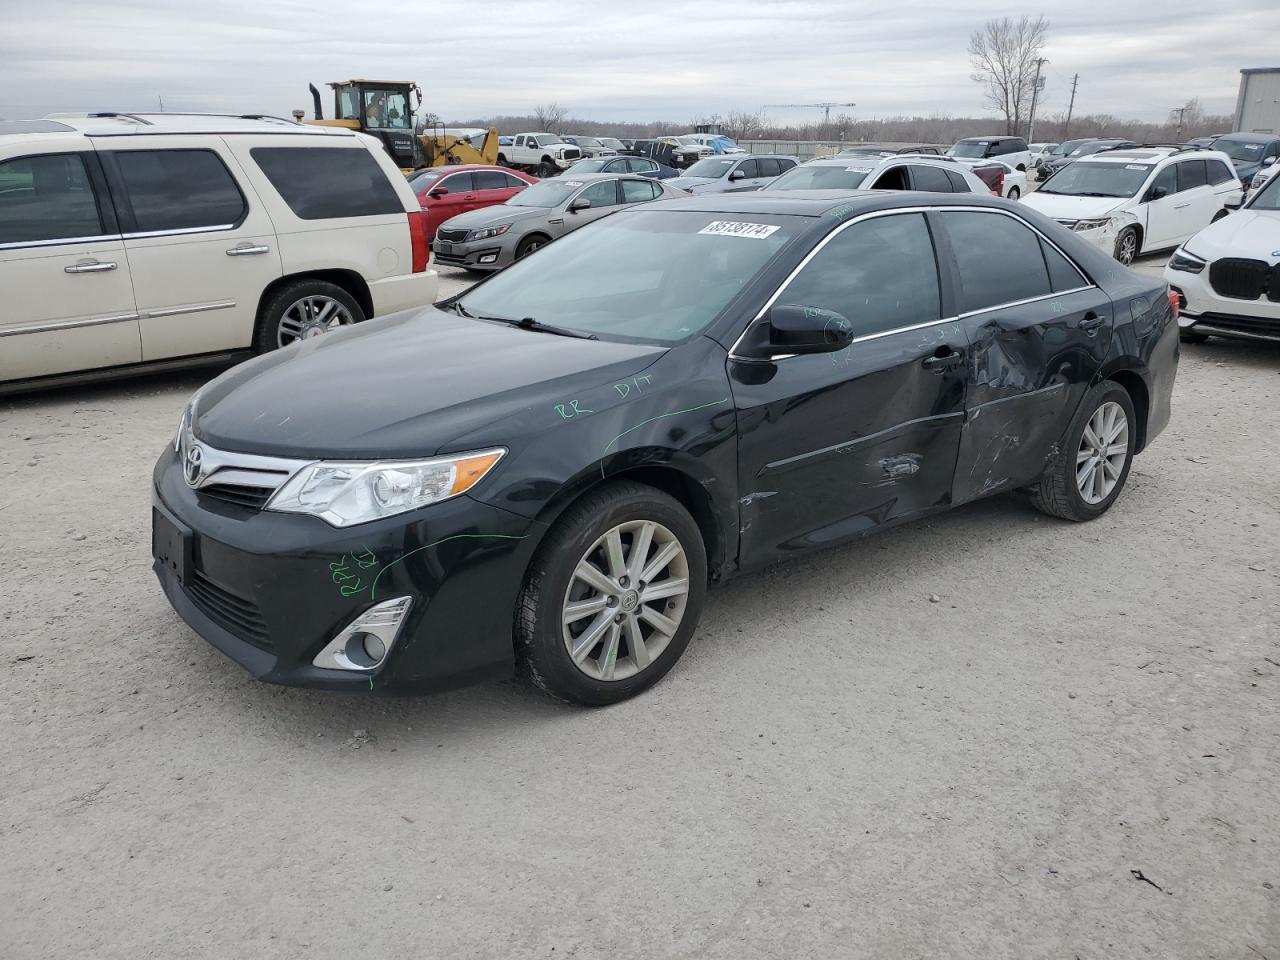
x=489 y=258
x=364 y=643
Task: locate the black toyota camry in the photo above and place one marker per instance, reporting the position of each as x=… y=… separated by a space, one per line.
x=545 y=473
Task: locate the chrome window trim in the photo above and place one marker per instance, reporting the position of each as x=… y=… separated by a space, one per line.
x=181 y=231
x=871 y=215
x=193 y=308
x=24 y=244
x=68 y=324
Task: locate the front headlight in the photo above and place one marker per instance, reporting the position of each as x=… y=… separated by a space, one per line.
x=343 y=492
x=1186 y=261
x=488 y=232
x=1082 y=225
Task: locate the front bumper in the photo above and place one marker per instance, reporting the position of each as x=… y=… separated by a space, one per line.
x=492 y=254
x=270 y=590
x=1208 y=312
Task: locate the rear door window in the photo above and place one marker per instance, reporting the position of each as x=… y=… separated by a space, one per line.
x=769 y=167
x=48 y=197
x=1219 y=172
x=930 y=178
x=178 y=190
x=1191 y=174
x=323 y=183
x=492 y=180
x=958 y=183
x=639 y=191
x=998 y=259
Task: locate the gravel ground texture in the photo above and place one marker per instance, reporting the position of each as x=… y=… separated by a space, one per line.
x=989 y=734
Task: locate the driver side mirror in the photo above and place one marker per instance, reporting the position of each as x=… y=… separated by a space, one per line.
x=439 y=192
x=799 y=329
x=737 y=174
x=582 y=203
x=1235 y=202
x=1157 y=193
x=1268 y=161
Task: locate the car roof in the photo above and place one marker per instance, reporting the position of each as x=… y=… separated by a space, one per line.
x=816 y=203
x=1250 y=137
x=456 y=167
x=109 y=124
x=994 y=136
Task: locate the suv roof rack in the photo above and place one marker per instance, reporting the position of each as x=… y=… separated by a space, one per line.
x=137 y=118
x=1175 y=147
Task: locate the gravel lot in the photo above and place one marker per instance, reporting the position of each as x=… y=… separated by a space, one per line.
x=960 y=739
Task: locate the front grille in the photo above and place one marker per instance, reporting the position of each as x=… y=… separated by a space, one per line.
x=231 y=611
x=451 y=236
x=1238 y=278
x=1268 y=327
x=572 y=154
x=254 y=498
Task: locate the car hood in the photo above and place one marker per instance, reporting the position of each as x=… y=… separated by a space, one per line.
x=492 y=216
x=404 y=386
x=1062 y=207
x=1254 y=235
x=688 y=183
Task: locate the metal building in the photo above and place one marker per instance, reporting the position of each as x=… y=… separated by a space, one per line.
x=1258 y=105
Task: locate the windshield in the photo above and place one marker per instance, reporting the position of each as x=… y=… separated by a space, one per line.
x=586 y=142
x=644 y=275
x=1086 y=149
x=545 y=193
x=588 y=166
x=421 y=181
x=865 y=152
x=821 y=178
x=1268 y=197
x=969 y=148
x=711 y=167
x=386 y=108
x=1243 y=150
x=612 y=144
x=1097 y=179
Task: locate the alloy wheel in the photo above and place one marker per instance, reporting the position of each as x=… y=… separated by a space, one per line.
x=309 y=317
x=1128 y=248
x=1104 y=447
x=625 y=600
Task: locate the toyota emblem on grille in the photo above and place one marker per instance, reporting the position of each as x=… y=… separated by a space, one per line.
x=193 y=465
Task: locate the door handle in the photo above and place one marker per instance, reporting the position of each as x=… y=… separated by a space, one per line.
x=943 y=361
x=1181 y=206
x=248 y=250
x=94 y=267
x=1091 y=321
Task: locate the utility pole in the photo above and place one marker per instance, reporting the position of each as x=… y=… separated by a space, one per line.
x=1181 y=111
x=1066 y=127
x=1035 y=95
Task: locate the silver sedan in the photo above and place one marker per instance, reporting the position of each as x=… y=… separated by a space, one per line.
x=495 y=237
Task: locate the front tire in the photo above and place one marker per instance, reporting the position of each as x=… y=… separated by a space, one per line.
x=530 y=244
x=1127 y=246
x=1088 y=475
x=301 y=309
x=546 y=169
x=612 y=596
x=1014 y=193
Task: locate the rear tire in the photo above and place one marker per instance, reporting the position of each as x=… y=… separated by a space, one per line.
x=502 y=160
x=546 y=169
x=1091 y=469
x=297 y=311
x=584 y=631
x=1127 y=246
x=1014 y=193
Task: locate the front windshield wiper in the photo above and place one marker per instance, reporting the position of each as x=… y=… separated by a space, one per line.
x=1086 y=193
x=529 y=323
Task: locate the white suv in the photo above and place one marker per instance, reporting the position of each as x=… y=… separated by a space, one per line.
x=1140 y=199
x=131 y=241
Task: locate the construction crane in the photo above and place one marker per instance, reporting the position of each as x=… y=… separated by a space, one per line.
x=824 y=107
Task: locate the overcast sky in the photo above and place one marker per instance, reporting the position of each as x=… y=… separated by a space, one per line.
x=635 y=61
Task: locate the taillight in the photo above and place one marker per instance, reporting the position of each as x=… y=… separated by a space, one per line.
x=1176 y=300
x=418 y=240
x=998 y=189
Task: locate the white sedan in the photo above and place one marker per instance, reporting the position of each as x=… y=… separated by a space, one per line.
x=1227 y=277
x=1015 y=180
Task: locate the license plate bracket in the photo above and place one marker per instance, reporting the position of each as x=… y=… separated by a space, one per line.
x=171 y=543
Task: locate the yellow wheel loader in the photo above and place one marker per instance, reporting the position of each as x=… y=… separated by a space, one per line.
x=385 y=109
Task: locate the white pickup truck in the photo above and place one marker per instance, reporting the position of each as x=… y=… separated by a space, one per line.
x=542 y=153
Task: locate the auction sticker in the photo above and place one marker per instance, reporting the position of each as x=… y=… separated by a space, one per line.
x=1136 y=166
x=736 y=228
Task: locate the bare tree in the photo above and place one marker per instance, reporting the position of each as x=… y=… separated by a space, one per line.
x=1003 y=54
x=550 y=117
x=743 y=125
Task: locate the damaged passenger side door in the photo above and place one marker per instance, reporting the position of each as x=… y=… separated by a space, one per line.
x=832 y=445
x=1039 y=332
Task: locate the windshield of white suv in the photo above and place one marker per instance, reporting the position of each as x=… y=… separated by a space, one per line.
x=970 y=148
x=545 y=193
x=1243 y=150
x=711 y=167
x=813 y=177
x=644 y=275
x=1268 y=197
x=1097 y=179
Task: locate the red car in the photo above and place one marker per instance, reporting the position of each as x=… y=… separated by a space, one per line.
x=445 y=192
